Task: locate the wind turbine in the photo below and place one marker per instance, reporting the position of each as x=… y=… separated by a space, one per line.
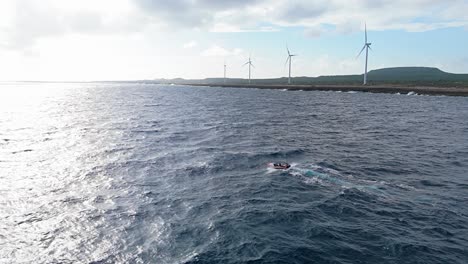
x=250 y=65
x=290 y=61
x=224 y=72
x=366 y=47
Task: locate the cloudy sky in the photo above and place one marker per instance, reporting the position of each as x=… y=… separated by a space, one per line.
x=83 y=40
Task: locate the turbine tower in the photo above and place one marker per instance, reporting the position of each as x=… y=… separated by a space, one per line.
x=250 y=65
x=367 y=48
x=224 y=72
x=290 y=61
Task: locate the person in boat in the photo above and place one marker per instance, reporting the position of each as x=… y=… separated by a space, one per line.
x=281 y=165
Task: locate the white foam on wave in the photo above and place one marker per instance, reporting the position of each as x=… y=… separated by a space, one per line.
x=313 y=181
x=271 y=170
x=406 y=187
x=316 y=175
x=202 y=164
x=327 y=177
x=313 y=176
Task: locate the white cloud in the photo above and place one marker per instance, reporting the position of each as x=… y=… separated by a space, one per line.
x=217 y=51
x=190 y=44
x=132 y=38
x=230 y=28
x=345 y=15
x=314 y=31
x=22 y=22
x=33 y=20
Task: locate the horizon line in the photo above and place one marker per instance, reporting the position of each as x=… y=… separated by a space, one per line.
x=228 y=78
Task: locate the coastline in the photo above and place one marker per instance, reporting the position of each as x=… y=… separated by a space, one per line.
x=423 y=90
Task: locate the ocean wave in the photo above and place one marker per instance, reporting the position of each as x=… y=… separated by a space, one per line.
x=134 y=174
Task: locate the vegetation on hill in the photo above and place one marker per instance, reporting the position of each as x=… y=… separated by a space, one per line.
x=408 y=76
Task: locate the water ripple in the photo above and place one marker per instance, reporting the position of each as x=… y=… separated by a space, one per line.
x=129 y=173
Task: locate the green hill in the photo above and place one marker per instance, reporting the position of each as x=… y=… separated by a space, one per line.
x=414 y=74
x=408 y=73
x=410 y=76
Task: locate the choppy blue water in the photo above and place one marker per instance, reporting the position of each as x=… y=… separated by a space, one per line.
x=127 y=173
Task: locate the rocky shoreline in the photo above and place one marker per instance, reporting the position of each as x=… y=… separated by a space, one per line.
x=424 y=90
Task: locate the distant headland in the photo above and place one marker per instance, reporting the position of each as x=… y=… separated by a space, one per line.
x=421 y=80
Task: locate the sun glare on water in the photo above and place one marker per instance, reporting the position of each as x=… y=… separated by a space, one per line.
x=27 y=98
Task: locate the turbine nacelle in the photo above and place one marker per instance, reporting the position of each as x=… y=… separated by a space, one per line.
x=249 y=63
x=289 y=52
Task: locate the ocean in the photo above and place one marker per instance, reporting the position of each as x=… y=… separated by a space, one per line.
x=144 y=173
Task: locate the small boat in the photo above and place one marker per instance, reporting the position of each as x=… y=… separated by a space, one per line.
x=280 y=166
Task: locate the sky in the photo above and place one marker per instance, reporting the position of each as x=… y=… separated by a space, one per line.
x=91 y=40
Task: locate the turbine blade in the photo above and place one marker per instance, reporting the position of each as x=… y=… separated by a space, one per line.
x=361 y=51
x=365 y=29
x=370 y=47
x=287 y=60
x=245 y=64
x=287 y=48
x=252 y=65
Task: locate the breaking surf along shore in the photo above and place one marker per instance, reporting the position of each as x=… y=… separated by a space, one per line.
x=423 y=90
